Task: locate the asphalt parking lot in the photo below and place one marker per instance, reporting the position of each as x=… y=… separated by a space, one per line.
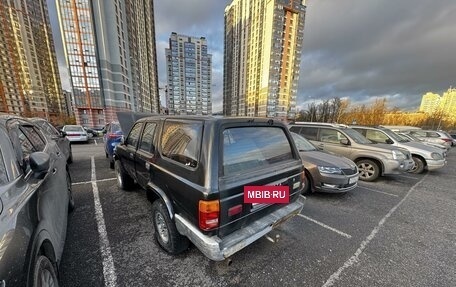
x=398 y=231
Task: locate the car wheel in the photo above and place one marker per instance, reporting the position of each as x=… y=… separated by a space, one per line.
x=419 y=165
x=166 y=232
x=44 y=273
x=124 y=181
x=71 y=204
x=368 y=170
x=111 y=164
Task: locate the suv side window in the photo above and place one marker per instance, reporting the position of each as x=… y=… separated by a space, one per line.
x=246 y=148
x=3 y=178
x=376 y=136
x=148 y=137
x=295 y=129
x=34 y=137
x=133 y=137
x=433 y=135
x=181 y=141
x=309 y=133
x=331 y=136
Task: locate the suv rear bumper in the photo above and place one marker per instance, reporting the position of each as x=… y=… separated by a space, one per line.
x=219 y=249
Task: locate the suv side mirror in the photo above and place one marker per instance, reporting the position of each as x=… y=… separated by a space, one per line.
x=344 y=142
x=39 y=164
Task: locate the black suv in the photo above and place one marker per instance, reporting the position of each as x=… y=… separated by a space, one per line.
x=194 y=170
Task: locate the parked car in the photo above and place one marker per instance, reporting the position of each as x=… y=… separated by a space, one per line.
x=412 y=138
x=35 y=198
x=372 y=160
x=425 y=157
x=194 y=170
x=447 y=134
x=59 y=136
x=75 y=133
x=112 y=135
x=324 y=171
x=432 y=136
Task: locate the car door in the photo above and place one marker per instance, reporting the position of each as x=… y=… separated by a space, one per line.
x=146 y=154
x=52 y=190
x=130 y=144
x=329 y=140
x=62 y=141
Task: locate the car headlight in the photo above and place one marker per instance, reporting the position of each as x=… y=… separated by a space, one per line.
x=397 y=154
x=436 y=155
x=329 y=170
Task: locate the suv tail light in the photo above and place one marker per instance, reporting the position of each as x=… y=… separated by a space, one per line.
x=209 y=214
x=113 y=136
x=447 y=140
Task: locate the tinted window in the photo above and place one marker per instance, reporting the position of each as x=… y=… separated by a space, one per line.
x=181 y=141
x=148 y=137
x=133 y=137
x=331 y=136
x=250 y=148
x=3 y=178
x=296 y=129
x=34 y=137
x=309 y=133
x=47 y=128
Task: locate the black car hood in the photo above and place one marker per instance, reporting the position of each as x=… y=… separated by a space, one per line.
x=127 y=119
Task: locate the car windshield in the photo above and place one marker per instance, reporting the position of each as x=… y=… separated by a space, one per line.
x=394 y=136
x=357 y=137
x=73 y=129
x=412 y=137
x=302 y=143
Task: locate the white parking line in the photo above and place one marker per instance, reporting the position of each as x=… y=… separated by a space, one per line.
x=326 y=226
x=109 y=272
x=87 y=182
x=374 y=190
x=355 y=258
x=95 y=142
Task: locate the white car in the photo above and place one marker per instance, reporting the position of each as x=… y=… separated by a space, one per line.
x=75 y=133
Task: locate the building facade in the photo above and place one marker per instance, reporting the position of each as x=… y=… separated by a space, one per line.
x=430 y=103
x=189 y=71
x=29 y=78
x=263 y=41
x=110 y=51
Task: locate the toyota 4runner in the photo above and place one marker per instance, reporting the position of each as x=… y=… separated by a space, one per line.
x=194 y=170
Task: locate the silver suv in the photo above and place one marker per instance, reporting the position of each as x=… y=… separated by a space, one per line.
x=425 y=157
x=372 y=159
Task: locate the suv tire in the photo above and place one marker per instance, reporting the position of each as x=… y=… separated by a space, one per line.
x=124 y=181
x=419 y=165
x=71 y=204
x=368 y=170
x=166 y=232
x=44 y=273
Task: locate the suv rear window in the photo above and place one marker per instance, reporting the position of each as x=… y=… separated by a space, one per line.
x=309 y=133
x=248 y=148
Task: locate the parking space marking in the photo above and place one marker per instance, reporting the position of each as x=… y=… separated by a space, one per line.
x=269 y=238
x=355 y=257
x=109 y=272
x=95 y=142
x=325 y=226
x=374 y=190
x=87 y=182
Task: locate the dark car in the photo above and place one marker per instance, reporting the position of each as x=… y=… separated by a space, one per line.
x=59 y=136
x=326 y=172
x=111 y=138
x=35 y=198
x=195 y=169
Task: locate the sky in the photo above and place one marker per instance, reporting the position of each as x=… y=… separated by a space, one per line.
x=359 y=50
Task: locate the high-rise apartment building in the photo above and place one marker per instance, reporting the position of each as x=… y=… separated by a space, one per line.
x=263 y=41
x=29 y=77
x=430 y=103
x=448 y=102
x=111 y=56
x=189 y=76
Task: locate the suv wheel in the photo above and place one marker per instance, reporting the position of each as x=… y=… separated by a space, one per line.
x=70 y=158
x=419 y=165
x=166 y=232
x=44 y=273
x=124 y=181
x=368 y=170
